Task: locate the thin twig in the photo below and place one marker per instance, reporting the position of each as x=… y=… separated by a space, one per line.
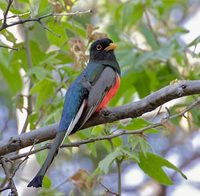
x=157 y=113
x=197 y=102
x=10 y=175
x=16 y=15
x=26 y=157
x=38 y=19
x=149 y=24
x=11 y=184
x=108 y=190
x=48 y=29
x=29 y=84
x=6 y=13
x=19 y=156
x=61 y=184
x=91 y=140
x=2 y=46
x=119 y=173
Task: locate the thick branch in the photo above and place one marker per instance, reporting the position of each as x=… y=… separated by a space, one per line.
x=131 y=110
x=111 y=136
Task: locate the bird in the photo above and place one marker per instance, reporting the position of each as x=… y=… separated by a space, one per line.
x=89 y=93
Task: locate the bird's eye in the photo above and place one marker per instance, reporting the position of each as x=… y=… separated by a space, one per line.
x=99 y=47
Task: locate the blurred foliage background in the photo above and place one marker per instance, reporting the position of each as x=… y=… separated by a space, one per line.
x=46 y=57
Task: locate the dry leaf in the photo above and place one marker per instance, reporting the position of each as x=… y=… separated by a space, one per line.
x=19 y=102
x=57 y=6
x=168 y=125
x=91 y=35
x=68 y=3
x=81 y=179
x=77 y=51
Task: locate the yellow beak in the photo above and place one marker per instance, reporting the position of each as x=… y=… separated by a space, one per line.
x=111 y=46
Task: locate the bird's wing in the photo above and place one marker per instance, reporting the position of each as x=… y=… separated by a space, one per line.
x=98 y=91
x=76 y=118
x=75 y=102
x=81 y=103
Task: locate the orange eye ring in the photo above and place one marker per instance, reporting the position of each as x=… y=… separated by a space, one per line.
x=99 y=47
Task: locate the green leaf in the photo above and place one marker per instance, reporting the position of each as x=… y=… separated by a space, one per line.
x=39 y=36
x=144 y=145
x=75 y=27
x=117 y=141
x=104 y=165
x=181 y=30
x=92 y=149
x=152 y=165
x=37 y=53
x=10 y=72
x=46 y=183
x=107 y=145
x=130 y=153
x=194 y=42
x=59 y=29
x=97 y=130
x=3 y=5
x=151 y=40
x=41 y=156
x=132 y=12
x=33 y=117
x=84 y=134
x=39 y=72
x=165 y=52
x=134 y=124
x=140 y=143
x=142 y=85
x=152 y=131
x=50 y=59
x=44 y=89
x=44 y=7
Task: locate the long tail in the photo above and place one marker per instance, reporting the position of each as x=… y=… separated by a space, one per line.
x=37 y=180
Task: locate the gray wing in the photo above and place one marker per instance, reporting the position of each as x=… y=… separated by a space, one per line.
x=98 y=91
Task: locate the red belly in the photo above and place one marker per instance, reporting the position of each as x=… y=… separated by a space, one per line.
x=111 y=93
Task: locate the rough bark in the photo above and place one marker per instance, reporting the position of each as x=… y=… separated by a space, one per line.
x=131 y=110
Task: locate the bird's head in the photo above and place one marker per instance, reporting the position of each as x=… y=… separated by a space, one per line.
x=102 y=49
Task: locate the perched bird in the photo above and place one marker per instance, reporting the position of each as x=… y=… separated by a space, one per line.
x=89 y=93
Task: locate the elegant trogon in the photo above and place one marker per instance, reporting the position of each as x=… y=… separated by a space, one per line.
x=89 y=93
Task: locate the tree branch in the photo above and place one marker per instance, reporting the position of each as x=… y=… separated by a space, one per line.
x=108 y=137
x=131 y=110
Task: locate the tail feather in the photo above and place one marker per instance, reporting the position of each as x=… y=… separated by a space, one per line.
x=37 y=180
